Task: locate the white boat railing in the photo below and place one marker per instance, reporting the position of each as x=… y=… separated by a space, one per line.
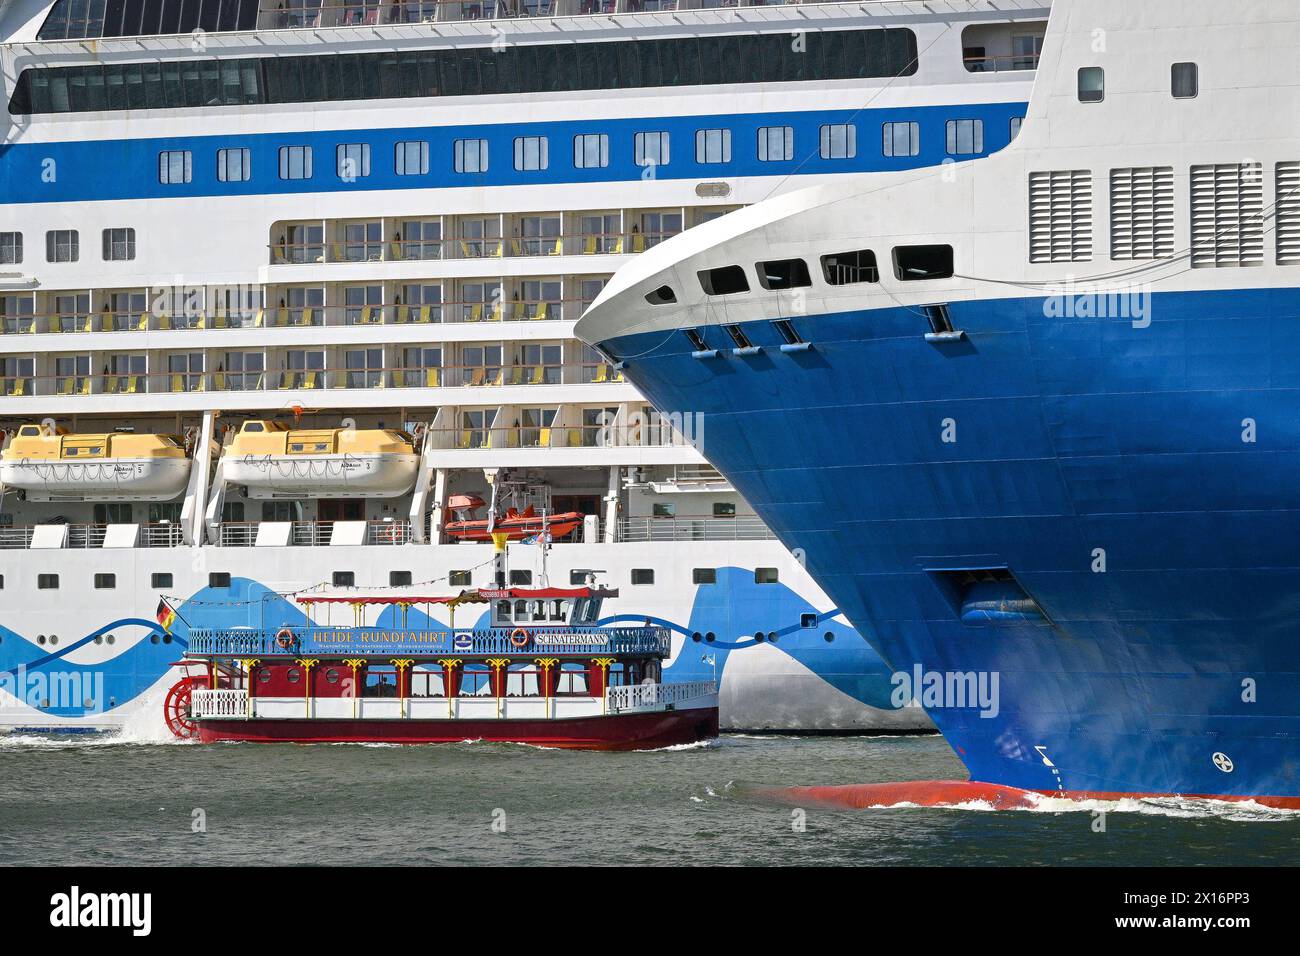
x=638 y=696
x=223 y=702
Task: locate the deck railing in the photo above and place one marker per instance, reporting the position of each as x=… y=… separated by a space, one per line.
x=475 y=247
x=223 y=702
x=694 y=528
x=637 y=696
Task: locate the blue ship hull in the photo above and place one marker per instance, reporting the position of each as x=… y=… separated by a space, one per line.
x=1139 y=483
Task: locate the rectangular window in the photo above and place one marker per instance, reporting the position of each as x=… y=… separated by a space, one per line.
x=521 y=578
x=399 y=579
x=105 y=582
x=1092 y=84
x=62 y=245
x=783 y=274
x=219 y=579
x=412 y=158
x=643 y=575
x=713 y=145
x=704 y=575
x=591 y=151
x=765 y=576
x=234 y=165
x=651 y=149
x=1186 y=81
x=458 y=579
x=352 y=161
x=839 y=141
x=1016 y=123
x=47 y=582
x=295 y=162
x=849 y=268
x=915 y=263
x=965 y=137
x=902 y=139
x=775 y=144
x=119 y=245
x=471 y=155
x=175 y=166
x=532 y=153
x=345 y=579
x=160 y=579
x=11 y=248
x=807 y=620
x=724 y=509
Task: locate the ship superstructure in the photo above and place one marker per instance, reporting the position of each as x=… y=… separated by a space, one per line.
x=334 y=255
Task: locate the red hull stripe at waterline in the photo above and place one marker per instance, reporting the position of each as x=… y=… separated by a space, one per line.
x=949 y=793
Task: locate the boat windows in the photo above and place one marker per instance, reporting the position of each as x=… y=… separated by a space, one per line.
x=572 y=680
x=704 y=575
x=62 y=245
x=965 y=137
x=724 y=509
x=532 y=153
x=11 y=248
x=345 y=579
x=1092 y=84
x=523 y=578
x=160 y=579
x=807 y=620
x=114 y=512
x=902 y=139
x=119 y=245
x=712 y=146
x=788 y=332
x=332 y=675
x=643 y=575
x=234 y=165
x=775 y=144
x=219 y=579
x=724 y=280
x=916 y=263
x=175 y=166
x=105 y=582
x=263 y=675
x=765 y=576
x=838 y=141
x=459 y=579
x=1185 y=81
x=426 y=682
x=295 y=162
x=850 y=268
x=471 y=155
x=399 y=579
x=783 y=274
x=411 y=158
x=47 y=582
x=651 y=148
x=1016 y=123
x=664 y=295
x=294 y=675
x=591 y=151
x=738 y=336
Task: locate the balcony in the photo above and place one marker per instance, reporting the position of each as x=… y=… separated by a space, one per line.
x=476 y=247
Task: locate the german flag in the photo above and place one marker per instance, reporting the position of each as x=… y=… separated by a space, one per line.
x=165 y=615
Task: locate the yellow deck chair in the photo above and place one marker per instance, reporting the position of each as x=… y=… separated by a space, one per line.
x=286 y=379
x=220 y=322
x=430 y=378
x=537 y=375
x=499 y=248
x=396 y=249
x=544 y=437
x=618 y=377
x=516 y=247
x=309 y=380
x=178 y=382
x=638 y=242
x=541 y=313
x=602 y=373
x=85 y=386
x=278 y=253
x=476 y=312
x=426 y=313
x=111 y=384
x=402 y=314
x=590 y=248
x=496 y=313
x=65 y=386
x=336 y=251
x=164 y=323
x=306 y=318
x=132 y=384
x=365 y=316
x=465 y=252
x=558 y=248
x=464 y=439
x=20 y=387
x=514 y=378
x=478 y=376
x=573 y=438
x=142 y=324
x=259 y=318
x=282 y=317
x=202 y=323
x=219 y=381
x=618 y=246
x=499 y=377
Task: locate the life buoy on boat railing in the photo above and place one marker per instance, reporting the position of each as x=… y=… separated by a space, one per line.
x=519 y=637
x=284 y=638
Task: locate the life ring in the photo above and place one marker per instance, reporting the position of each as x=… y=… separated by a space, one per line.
x=392 y=532
x=284 y=638
x=519 y=637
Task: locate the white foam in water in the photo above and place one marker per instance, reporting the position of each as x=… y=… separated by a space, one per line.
x=1186 y=808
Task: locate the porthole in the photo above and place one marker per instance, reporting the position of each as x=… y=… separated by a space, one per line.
x=111 y=639
x=332 y=676
x=758 y=636
x=771 y=636
x=88 y=703
x=99 y=638
x=54 y=639
x=709 y=637
x=40 y=639
x=829 y=636
x=167 y=638
x=294 y=675
x=697 y=637
x=263 y=675
x=153 y=638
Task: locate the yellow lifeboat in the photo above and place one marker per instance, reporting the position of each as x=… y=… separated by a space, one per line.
x=53 y=464
x=273 y=461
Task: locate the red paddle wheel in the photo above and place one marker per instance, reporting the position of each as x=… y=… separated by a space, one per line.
x=176 y=709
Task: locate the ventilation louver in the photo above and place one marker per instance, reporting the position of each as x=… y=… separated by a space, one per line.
x=1142 y=213
x=1227 y=216
x=1288 y=214
x=1060 y=216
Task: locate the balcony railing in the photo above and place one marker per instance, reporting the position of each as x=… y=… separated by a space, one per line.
x=298 y=317
x=643 y=696
x=694 y=528
x=474 y=247
x=158 y=535
x=449 y=376
x=430 y=11
x=243 y=534
x=557 y=436
x=1000 y=64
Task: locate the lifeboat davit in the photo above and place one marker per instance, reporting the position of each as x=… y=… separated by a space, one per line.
x=52 y=464
x=273 y=461
x=516 y=524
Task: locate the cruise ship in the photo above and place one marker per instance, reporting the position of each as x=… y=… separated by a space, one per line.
x=288 y=304
x=1033 y=421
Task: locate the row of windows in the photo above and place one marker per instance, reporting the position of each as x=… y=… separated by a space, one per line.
x=64 y=245
x=590 y=151
x=476 y=71
x=1184 y=82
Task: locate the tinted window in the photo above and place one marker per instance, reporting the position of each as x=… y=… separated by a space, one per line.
x=914 y=263
x=727 y=280
x=783 y=274
x=848 y=268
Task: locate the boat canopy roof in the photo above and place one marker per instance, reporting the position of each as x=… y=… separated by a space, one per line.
x=477 y=596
